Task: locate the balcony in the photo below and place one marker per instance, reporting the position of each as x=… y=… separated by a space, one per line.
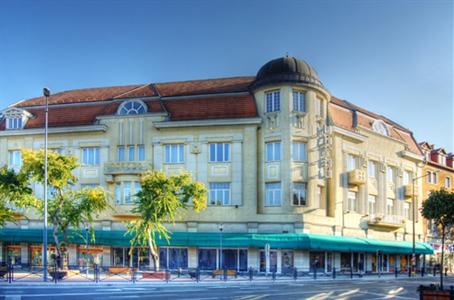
x=357 y=177
x=388 y=221
x=126 y=167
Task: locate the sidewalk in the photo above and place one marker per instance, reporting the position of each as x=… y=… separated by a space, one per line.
x=258 y=280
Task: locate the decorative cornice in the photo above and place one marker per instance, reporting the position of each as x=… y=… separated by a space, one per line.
x=54 y=130
x=214 y=122
x=354 y=135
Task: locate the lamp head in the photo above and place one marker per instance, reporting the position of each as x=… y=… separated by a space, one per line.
x=46 y=92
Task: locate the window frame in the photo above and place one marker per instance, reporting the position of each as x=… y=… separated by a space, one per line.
x=87 y=156
x=180 y=153
x=352 y=203
x=216 y=190
x=299 y=101
x=299 y=149
x=273 y=103
x=297 y=192
x=273 y=189
x=125 y=111
x=214 y=152
x=275 y=155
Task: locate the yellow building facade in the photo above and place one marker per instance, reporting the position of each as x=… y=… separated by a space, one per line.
x=322 y=182
x=438 y=172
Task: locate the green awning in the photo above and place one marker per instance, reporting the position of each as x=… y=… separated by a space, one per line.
x=237 y=240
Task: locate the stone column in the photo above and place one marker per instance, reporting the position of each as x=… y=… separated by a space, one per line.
x=237 y=173
x=192 y=257
x=157 y=155
x=253 y=258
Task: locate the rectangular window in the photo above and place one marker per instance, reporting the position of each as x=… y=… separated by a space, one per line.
x=372 y=169
x=447 y=182
x=273 y=151
x=141 y=152
x=299 y=101
x=429 y=177
x=406 y=208
x=299 y=152
x=90 y=156
x=174 y=153
x=389 y=207
x=371 y=200
x=131 y=153
x=220 y=193
x=219 y=152
x=390 y=174
x=352 y=200
x=118 y=193
x=173 y=258
x=442 y=160
x=273 y=101
x=14 y=123
x=15 y=158
x=299 y=194
x=125 y=192
x=318 y=107
x=207 y=259
x=434 y=178
x=351 y=162
x=121 y=153
x=407 y=177
x=273 y=195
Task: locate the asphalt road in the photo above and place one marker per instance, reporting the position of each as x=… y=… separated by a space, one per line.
x=359 y=289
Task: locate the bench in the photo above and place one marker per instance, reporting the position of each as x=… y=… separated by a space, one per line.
x=119 y=270
x=229 y=272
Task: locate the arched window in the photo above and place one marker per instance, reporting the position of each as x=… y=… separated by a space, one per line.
x=380 y=127
x=133 y=107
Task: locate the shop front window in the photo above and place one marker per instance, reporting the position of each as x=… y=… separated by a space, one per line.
x=13 y=253
x=207 y=259
x=273 y=261
x=89 y=257
x=345 y=262
x=121 y=257
x=287 y=261
x=317 y=261
x=173 y=258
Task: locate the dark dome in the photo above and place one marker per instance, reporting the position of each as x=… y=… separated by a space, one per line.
x=286 y=69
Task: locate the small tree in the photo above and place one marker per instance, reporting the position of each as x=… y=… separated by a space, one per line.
x=439 y=208
x=159 y=201
x=15 y=194
x=66 y=207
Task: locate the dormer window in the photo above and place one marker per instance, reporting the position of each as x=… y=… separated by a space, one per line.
x=442 y=160
x=132 y=107
x=15 y=118
x=380 y=127
x=14 y=123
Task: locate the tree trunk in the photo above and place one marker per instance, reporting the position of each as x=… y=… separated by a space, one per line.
x=442 y=255
x=153 y=251
x=57 y=247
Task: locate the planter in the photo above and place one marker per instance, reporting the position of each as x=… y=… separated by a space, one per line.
x=433 y=292
x=156 y=275
x=58 y=275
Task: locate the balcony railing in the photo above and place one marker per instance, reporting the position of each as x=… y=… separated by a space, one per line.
x=386 y=220
x=126 y=167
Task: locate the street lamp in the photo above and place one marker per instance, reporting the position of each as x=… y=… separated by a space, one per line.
x=221 y=228
x=413 y=259
x=46 y=93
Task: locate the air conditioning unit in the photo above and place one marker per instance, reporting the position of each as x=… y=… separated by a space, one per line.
x=357 y=177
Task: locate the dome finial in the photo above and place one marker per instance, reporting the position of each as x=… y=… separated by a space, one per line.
x=286 y=53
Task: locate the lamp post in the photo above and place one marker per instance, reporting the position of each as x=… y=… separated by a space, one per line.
x=413 y=259
x=46 y=93
x=86 y=249
x=221 y=228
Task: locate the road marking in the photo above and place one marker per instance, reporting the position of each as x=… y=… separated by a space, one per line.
x=13 y=297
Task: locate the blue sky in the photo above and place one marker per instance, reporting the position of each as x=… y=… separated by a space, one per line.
x=392 y=57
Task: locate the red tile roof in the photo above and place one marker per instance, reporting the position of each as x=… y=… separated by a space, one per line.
x=197 y=99
x=341 y=113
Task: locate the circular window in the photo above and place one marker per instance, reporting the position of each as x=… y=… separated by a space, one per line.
x=133 y=107
x=380 y=127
